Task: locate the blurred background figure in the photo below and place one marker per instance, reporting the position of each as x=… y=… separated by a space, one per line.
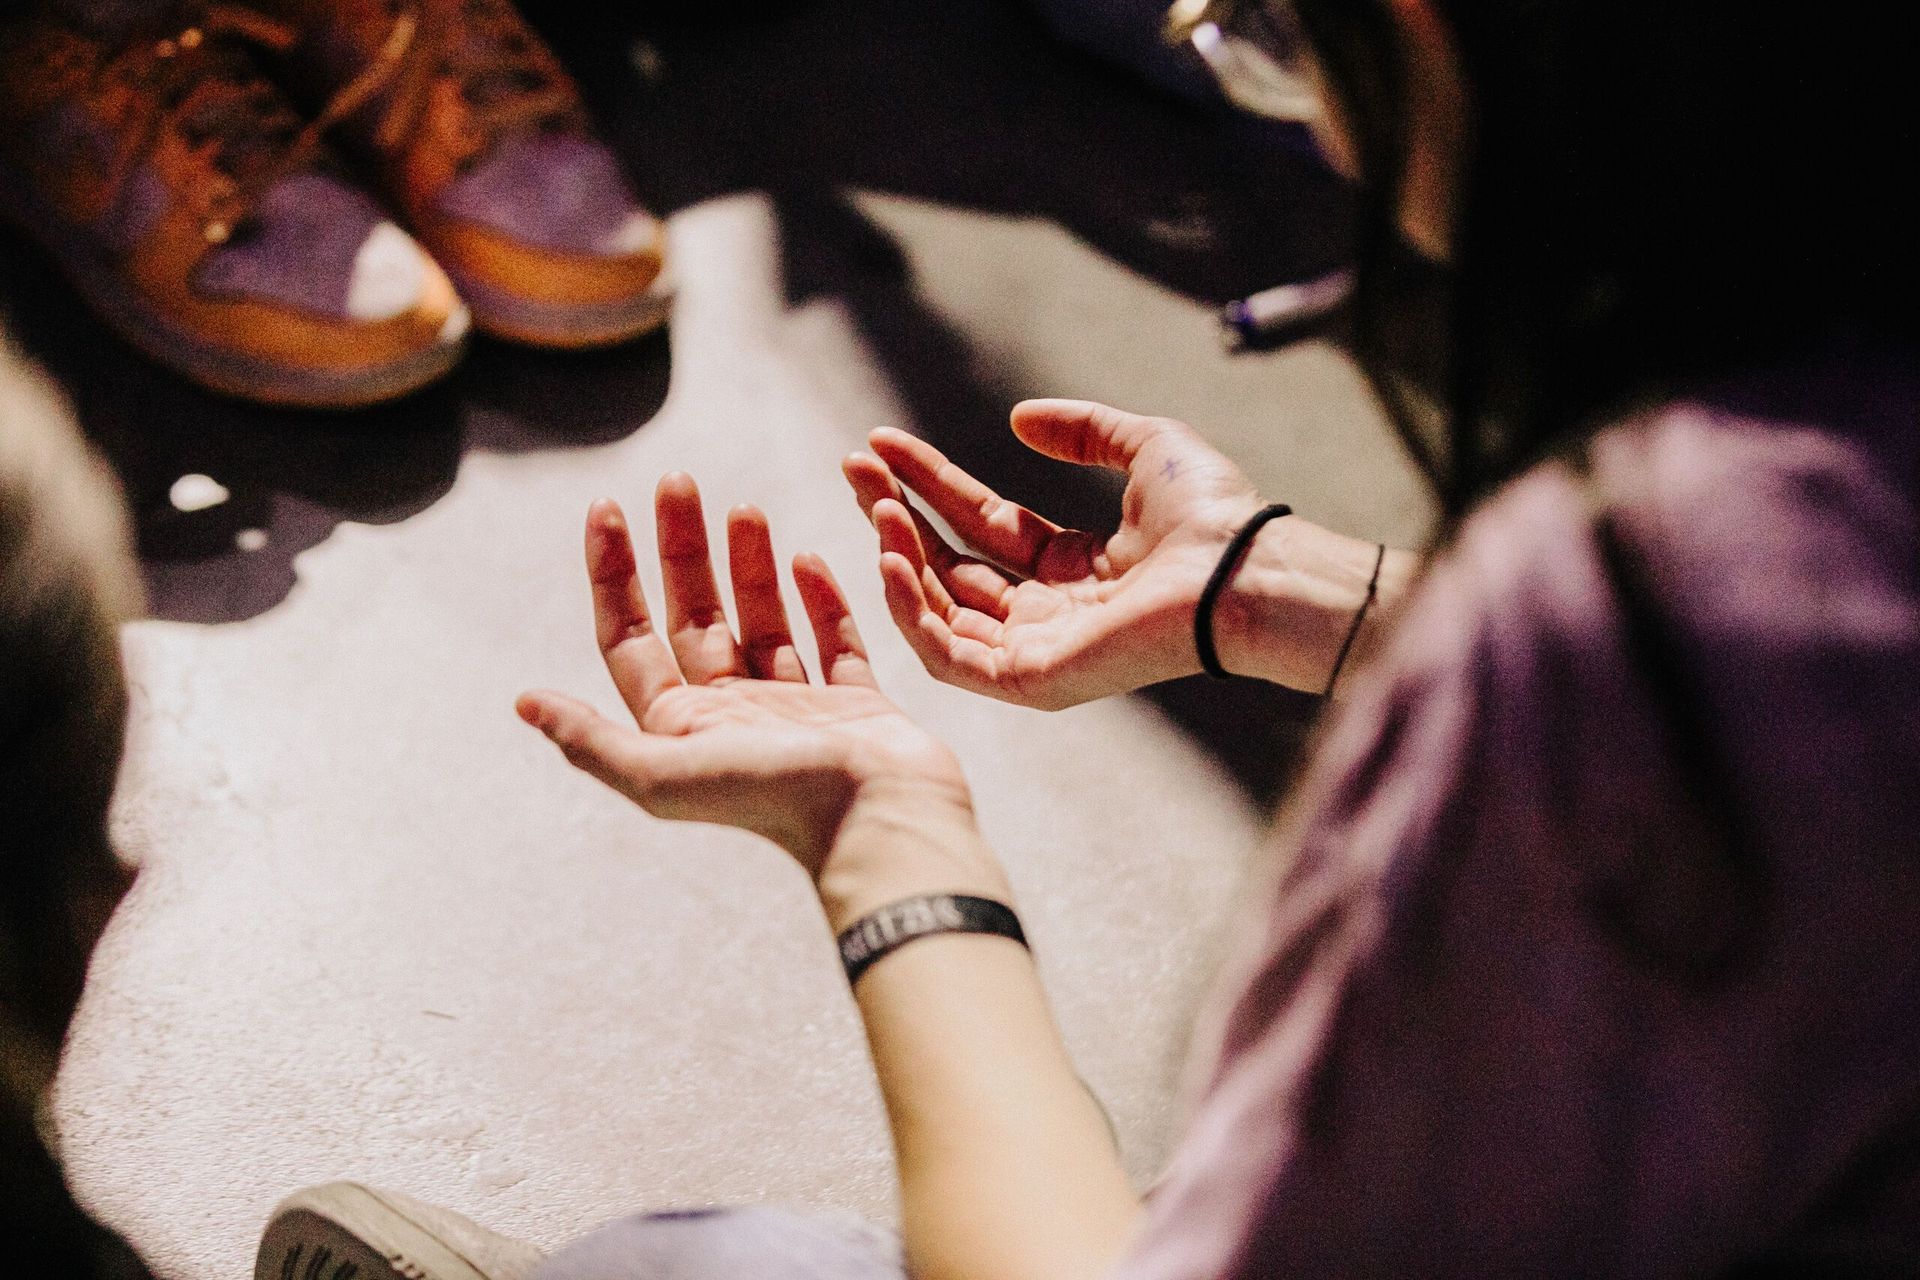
x=177 y=157
x=66 y=582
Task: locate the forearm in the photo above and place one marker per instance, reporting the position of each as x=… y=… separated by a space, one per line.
x=1007 y=1169
x=1293 y=600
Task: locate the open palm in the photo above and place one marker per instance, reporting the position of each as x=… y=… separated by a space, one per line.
x=1042 y=615
x=730 y=730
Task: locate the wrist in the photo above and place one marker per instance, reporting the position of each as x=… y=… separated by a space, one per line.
x=1288 y=608
x=903 y=837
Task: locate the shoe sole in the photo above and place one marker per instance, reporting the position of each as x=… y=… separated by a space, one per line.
x=346 y=1231
x=243 y=377
x=566 y=326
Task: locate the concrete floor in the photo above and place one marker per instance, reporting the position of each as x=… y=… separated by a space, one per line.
x=381 y=931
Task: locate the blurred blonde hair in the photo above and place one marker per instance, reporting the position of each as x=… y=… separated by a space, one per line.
x=67 y=581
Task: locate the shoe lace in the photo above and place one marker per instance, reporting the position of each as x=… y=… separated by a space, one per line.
x=201 y=82
x=504 y=75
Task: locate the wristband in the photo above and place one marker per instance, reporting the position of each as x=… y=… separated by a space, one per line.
x=893 y=926
x=1222 y=572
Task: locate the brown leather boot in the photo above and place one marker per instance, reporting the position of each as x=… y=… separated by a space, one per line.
x=479 y=137
x=205 y=220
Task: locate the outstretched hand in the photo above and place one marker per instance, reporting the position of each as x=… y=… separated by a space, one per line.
x=727 y=729
x=1046 y=616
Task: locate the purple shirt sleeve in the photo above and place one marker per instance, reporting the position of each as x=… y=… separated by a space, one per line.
x=1468 y=1038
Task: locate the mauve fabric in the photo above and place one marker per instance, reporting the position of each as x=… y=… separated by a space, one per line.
x=753 y=1243
x=298 y=247
x=1438 y=1057
x=557 y=190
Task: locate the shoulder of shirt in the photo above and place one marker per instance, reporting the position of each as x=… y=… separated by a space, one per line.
x=1786 y=550
x=1753 y=522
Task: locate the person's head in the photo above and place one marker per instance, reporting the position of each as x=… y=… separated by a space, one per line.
x=66 y=582
x=1629 y=196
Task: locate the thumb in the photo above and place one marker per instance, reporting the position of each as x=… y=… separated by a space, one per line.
x=620 y=757
x=1085 y=432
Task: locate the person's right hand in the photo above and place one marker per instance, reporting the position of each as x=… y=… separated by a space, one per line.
x=1051 y=617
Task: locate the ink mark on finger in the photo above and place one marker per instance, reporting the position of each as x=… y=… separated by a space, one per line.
x=1170 y=470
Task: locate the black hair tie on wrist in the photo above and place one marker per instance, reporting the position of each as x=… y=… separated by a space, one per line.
x=1222 y=574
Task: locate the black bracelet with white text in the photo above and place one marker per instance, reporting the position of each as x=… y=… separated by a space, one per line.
x=893 y=926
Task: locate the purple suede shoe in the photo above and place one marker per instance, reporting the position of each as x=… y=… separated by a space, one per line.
x=480 y=138
x=204 y=220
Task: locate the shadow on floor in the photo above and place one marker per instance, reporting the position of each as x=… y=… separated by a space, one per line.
x=1255 y=730
x=289 y=476
x=970 y=103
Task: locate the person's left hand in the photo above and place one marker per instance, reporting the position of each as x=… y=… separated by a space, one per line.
x=1042 y=615
x=730 y=731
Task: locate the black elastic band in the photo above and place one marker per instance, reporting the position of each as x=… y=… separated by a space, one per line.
x=893 y=926
x=1222 y=574
x=1359 y=616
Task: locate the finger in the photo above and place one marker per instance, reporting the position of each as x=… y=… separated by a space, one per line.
x=1084 y=432
x=766 y=641
x=843 y=656
x=873 y=483
x=976 y=585
x=1001 y=530
x=871 y=480
x=618 y=756
x=696 y=624
x=955 y=659
x=968 y=594
x=898 y=534
x=973 y=584
x=637 y=658
x=970 y=582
